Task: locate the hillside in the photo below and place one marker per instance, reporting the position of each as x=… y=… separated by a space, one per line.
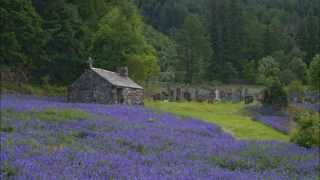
x=185 y=41
x=45 y=137
x=227 y=89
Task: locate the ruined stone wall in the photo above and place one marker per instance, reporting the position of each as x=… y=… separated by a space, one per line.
x=133 y=96
x=204 y=94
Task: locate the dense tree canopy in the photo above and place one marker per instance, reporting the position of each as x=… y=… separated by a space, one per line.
x=190 y=40
x=315 y=73
x=120 y=41
x=22 y=36
x=268 y=71
x=193 y=49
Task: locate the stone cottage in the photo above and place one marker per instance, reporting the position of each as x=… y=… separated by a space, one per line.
x=106 y=87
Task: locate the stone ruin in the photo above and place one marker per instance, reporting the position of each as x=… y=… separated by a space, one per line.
x=210 y=95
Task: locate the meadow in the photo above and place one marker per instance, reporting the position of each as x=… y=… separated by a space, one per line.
x=232 y=117
x=47 y=138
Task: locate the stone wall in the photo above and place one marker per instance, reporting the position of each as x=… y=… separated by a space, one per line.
x=133 y=96
x=91 y=88
x=209 y=94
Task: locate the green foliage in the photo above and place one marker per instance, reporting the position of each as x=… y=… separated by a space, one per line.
x=9 y=171
x=43 y=38
x=292 y=66
x=80 y=134
x=314 y=73
x=166 y=49
x=287 y=76
x=193 y=49
x=53 y=115
x=7 y=129
x=67 y=41
x=22 y=36
x=250 y=71
x=300 y=69
x=268 y=71
x=170 y=14
x=120 y=41
x=275 y=96
x=60 y=115
x=296 y=88
x=309 y=35
x=307 y=133
x=273 y=37
x=253 y=47
x=226 y=24
x=43 y=90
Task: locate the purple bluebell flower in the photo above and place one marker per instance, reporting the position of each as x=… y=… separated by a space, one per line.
x=122 y=142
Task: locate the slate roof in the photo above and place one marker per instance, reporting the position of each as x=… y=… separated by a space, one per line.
x=115 y=79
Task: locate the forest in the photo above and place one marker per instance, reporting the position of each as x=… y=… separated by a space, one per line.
x=181 y=41
x=199 y=89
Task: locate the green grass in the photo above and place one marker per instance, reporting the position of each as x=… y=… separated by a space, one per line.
x=233 y=118
x=32 y=89
x=54 y=115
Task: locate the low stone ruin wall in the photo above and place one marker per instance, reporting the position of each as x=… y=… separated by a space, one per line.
x=205 y=94
x=133 y=96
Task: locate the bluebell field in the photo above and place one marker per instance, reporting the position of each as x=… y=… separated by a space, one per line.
x=121 y=142
x=281 y=123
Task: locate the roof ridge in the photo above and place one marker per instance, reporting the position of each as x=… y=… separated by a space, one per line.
x=104 y=70
x=115 y=78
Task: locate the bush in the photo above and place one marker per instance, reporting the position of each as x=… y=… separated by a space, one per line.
x=308 y=131
x=37 y=90
x=296 y=91
x=268 y=71
x=53 y=115
x=299 y=68
x=275 y=96
x=314 y=73
x=287 y=76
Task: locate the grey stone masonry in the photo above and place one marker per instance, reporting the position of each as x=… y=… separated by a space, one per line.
x=105 y=87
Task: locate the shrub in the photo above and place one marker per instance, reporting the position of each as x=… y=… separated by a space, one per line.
x=296 y=91
x=53 y=115
x=286 y=76
x=250 y=71
x=275 y=96
x=9 y=171
x=299 y=68
x=308 y=131
x=268 y=71
x=314 y=73
x=7 y=129
x=44 y=90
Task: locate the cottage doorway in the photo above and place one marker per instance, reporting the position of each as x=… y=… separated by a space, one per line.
x=120 y=97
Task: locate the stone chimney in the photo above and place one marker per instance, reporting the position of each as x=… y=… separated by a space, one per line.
x=123 y=71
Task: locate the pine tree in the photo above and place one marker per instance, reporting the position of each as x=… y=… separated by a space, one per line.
x=21 y=36
x=66 y=46
x=194 y=49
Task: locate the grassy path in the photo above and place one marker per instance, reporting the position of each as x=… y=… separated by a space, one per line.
x=233 y=118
